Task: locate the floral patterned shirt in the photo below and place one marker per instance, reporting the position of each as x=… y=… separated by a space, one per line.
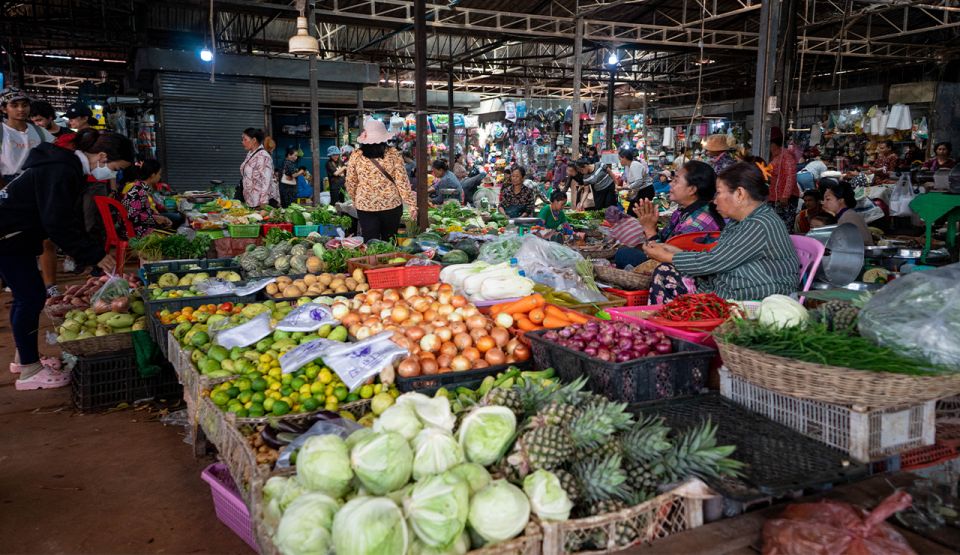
x=372 y=191
x=524 y=201
x=258 y=183
x=140 y=208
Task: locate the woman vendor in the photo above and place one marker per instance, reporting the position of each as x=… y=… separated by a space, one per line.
x=692 y=189
x=552 y=214
x=811 y=208
x=839 y=200
x=516 y=199
x=753 y=258
x=942 y=159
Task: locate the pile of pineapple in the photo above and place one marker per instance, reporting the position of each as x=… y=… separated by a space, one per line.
x=606 y=459
x=838 y=316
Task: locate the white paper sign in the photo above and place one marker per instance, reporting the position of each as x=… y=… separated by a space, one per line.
x=307 y=318
x=245 y=334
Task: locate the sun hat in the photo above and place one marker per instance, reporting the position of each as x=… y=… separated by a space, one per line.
x=12 y=94
x=347 y=149
x=333 y=151
x=374 y=132
x=716 y=143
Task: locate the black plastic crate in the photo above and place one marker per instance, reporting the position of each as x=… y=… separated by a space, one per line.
x=450 y=380
x=158 y=332
x=778 y=460
x=152 y=306
x=149 y=271
x=683 y=372
x=103 y=382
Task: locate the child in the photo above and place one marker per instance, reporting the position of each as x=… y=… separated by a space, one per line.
x=822 y=220
x=552 y=214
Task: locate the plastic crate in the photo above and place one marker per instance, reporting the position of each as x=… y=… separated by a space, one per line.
x=230 y=247
x=230 y=508
x=948 y=433
x=638 y=315
x=105 y=381
x=683 y=372
x=453 y=379
x=152 y=277
x=866 y=435
x=385 y=278
x=265 y=228
x=634 y=298
x=153 y=305
x=158 y=332
x=185 y=266
x=925 y=457
x=213 y=234
x=779 y=461
x=244 y=230
x=304 y=230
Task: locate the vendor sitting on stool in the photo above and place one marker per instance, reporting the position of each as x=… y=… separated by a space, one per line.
x=552 y=214
x=754 y=257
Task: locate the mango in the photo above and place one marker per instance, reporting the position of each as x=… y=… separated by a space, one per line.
x=120 y=320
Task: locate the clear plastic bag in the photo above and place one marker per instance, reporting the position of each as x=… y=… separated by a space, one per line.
x=245 y=334
x=558 y=267
x=501 y=250
x=307 y=318
x=338 y=427
x=917 y=315
x=115 y=287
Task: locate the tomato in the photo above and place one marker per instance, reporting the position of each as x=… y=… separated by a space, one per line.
x=225 y=307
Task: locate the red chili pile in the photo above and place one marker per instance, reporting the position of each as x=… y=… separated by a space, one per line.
x=695 y=307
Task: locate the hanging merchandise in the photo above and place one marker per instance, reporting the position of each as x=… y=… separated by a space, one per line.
x=396 y=123
x=900 y=118
x=668 y=137
x=522 y=109
x=568 y=114
x=510 y=108
x=816 y=132
x=922 y=131
x=471 y=122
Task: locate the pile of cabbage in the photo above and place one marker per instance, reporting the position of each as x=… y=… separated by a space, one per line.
x=411 y=484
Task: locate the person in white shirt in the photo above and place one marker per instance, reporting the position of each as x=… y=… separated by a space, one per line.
x=634 y=177
x=681 y=159
x=816 y=165
x=18 y=135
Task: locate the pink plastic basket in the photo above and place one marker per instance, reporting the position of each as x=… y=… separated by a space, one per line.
x=231 y=510
x=639 y=314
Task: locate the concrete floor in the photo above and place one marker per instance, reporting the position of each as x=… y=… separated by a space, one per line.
x=117 y=482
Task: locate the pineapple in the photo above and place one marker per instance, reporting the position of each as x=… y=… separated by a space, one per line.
x=509 y=398
x=554 y=414
x=596 y=425
x=569 y=484
x=534 y=397
x=696 y=453
x=644 y=479
x=625 y=533
x=542 y=447
x=646 y=441
x=601 y=479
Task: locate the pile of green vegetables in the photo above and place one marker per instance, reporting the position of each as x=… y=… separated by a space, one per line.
x=297 y=214
x=452 y=213
x=161 y=246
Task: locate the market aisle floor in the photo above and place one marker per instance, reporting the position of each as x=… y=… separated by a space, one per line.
x=96 y=483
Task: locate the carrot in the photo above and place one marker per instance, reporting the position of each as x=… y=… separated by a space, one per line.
x=526 y=325
x=524 y=305
x=576 y=317
x=537 y=315
x=554 y=322
x=571 y=315
x=498 y=308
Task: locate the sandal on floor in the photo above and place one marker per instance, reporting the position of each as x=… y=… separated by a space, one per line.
x=52 y=362
x=46 y=378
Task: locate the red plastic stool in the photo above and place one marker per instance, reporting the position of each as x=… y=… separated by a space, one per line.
x=104 y=204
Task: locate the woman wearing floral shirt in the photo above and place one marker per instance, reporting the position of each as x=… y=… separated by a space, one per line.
x=259 y=187
x=516 y=199
x=377 y=182
x=137 y=198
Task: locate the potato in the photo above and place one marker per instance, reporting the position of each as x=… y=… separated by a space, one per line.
x=309 y=279
x=358 y=275
x=314 y=264
x=292 y=291
x=362 y=287
x=272 y=289
x=328 y=291
x=301 y=284
x=325 y=279
x=316 y=289
x=336 y=284
x=284 y=281
x=351 y=283
x=341 y=289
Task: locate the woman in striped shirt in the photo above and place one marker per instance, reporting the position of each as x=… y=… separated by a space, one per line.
x=754 y=257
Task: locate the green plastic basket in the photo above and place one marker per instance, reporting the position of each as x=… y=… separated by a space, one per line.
x=304 y=230
x=212 y=233
x=245 y=230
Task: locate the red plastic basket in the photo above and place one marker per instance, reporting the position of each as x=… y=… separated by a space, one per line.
x=265 y=228
x=634 y=298
x=699 y=241
x=923 y=457
x=641 y=314
x=385 y=278
x=230 y=508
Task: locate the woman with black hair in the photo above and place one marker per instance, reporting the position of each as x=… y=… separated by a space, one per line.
x=839 y=200
x=516 y=199
x=753 y=257
x=44 y=203
x=288 y=177
x=941 y=159
x=377 y=182
x=259 y=188
x=137 y=198
x=886 y=162
x=693 y=190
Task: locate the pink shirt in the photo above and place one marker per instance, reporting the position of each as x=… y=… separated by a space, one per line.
x=783 y=181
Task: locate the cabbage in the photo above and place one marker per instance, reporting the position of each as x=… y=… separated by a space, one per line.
x=323 y=464
x=432 y=411
x=473 y=474
x=547 y=497
x=370 y=526
x=459 y=547
x=486 y=433
x=305 y=526
x=437 y=509
x=781 y=311
x=356 y=436
x=278 y=493
x=434 y=451
x=383 y=462
x=401 y=419
x=499 y=512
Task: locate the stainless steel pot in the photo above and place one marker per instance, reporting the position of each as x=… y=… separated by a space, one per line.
x=843 y=258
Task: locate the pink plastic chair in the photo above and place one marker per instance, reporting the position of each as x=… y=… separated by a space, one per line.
x=810 y=252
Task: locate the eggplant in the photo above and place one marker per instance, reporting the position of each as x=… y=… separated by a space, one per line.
x=293 y=427
x=269 y=436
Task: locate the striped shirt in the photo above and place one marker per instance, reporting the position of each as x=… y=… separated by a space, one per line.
x=754 y=258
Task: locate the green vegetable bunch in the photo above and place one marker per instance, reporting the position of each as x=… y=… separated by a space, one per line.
x=277 y=235
x=160 y=246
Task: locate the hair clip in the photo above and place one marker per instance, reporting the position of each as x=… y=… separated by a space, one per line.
x=767 y=170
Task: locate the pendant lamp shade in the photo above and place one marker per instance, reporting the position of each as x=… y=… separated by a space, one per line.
x=302 y=42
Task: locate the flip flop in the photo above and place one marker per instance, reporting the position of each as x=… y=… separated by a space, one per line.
x=52 y=362
x=46 y=378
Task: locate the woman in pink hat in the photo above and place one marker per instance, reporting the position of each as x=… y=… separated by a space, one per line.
x=378 y=184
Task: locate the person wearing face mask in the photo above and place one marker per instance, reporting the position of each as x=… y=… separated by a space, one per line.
x=42 y=203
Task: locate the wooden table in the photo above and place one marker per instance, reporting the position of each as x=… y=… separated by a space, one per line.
x=742 y=535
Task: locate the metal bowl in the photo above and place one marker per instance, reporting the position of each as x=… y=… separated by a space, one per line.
x=879 y=252
x=852 y=286
x=843 y=257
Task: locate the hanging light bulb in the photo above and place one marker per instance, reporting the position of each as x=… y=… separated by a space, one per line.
x=206 y=55
x=612 y=60
x=302 y=42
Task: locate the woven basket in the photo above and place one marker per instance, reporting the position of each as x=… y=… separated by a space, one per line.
x=834 y=384
x=669 y=513
x=98 y=345
x=596 y=252
x=622 y=279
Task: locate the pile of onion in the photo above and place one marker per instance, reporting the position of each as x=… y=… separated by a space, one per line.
x=612 y=341
x=443 y=331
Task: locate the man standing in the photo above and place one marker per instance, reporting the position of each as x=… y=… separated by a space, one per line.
x=42 y=114
x=784 y=192
x=18 y=135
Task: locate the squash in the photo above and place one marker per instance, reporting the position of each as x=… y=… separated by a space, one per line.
x=282 y=263
x=314 y=264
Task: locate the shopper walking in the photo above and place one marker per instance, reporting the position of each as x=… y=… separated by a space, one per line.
x=18 y=135
x=258 y=185
x=42 y=114
x=336 y=171
x=288 y=177
x=600 y=179
x=377 y=182
x=41 y=203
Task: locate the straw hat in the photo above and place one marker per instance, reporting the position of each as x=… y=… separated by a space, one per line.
x=374 y=132
x=716 y=143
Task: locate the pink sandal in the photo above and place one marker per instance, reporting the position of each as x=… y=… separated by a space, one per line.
x=46 y=378
x=52 y=362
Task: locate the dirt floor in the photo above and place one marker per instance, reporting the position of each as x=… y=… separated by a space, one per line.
x=118 y=482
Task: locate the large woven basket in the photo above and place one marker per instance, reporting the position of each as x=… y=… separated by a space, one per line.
x=834 y=384
x=596 y=252
x=98 y=345
x=622 y=279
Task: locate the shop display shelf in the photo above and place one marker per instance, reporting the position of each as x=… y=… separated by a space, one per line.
x=105 y=381
x=779 y=460
x=867 y=435
x=229 y=506
x=683 y=372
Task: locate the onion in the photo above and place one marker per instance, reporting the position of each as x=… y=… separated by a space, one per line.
x=455 y=316
x=384 y=313
x=339 y=310
x=458 y=300
x=664 y=348
x=504 y=320
x=421 y=304
x=521 y=353
x=428 y=366
x=376 y=328
x=478 y=333
x=462 y=341
x=424 y=355
x=365 y=309
x=363 y=332
x=448 y=348
x=444 y=333
x=443 y=361
x=415 y=318
x=370 y=321
x=471 y=353
x=486 y=343
x=469 y=311
x=361 y=297
x=477 y=321
x=551 y=336
x=495 y=356
x=460 y=364
x=478 y=364
x=410 y=291
x=352 y=330
x=444 y=287
x=444 y=310
x=500 y=336
x=373 y=296
x=429 y=315
x=457 y=327
x=409 y=367
x=512 y=345
x=430 y=343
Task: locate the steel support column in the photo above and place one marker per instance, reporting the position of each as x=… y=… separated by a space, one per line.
x=610 y=91
x=766 y=58
x=577 y=75
x=451 y=129
x=420 y=105
x=314 y=117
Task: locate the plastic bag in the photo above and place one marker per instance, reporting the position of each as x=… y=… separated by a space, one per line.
x=340 y=427
x=901 y=196
x=115 y=287
x=353 y=362
x=307 y=318
x=835 y=528
x=501 y=250
x=558 y=267
x=245 y=334
x=917 y=315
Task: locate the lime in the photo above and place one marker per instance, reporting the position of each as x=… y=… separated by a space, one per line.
x=268 y=404
x=258 y=384
x=286 y=390
x=258 y=397
x=233 y=391
x=243 y=413
x=311 y=371
x=332 y=406
x=200 y=339
x=341 y=392
x=220 y=398
x=234 y=407
x=366 y=391
x=296 y=383
x=353 y=397
x=310 y=404
x=280 y=408
x=243 y=384
x=245 y=396
x=256 y=411
x=326 y=376
x=316 y=388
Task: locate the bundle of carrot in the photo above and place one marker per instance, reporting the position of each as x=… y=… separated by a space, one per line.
x=533 y=313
